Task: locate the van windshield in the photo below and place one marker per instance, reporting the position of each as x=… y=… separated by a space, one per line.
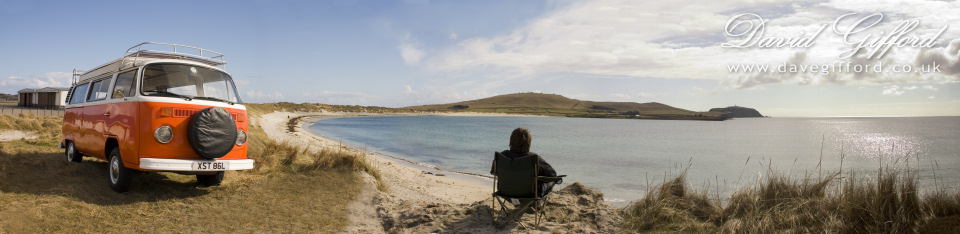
x=188 y=82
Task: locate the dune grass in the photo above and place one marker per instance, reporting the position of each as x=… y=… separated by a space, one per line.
x=45 y=128
x=290 y=190
x=884 y=202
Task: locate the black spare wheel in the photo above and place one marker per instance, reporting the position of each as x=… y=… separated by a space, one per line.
x=212 y=132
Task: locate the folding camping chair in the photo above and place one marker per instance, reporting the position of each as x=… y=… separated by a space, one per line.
x=515 y=184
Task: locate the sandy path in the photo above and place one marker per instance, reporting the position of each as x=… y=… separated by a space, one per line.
x=9 y=135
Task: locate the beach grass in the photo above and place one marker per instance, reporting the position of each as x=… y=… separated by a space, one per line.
x=887 y=201
x=285 y=156
x=42 y=192
x=46 y=129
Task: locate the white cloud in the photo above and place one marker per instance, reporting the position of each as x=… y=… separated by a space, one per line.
x=641 y=95
x=338 y=98
x=647 y=95
x=260 y=96
x=642 y=39
x=620 y=96
x=582 y=96
x=931 y=97
x=597 y=37
x=411 y=55
x=453 y=36
x=12 y=84
x=409 y=51
x=425 y=98
x=241 y=84
x=893 y=90
x=699 y=92
x=897 y=90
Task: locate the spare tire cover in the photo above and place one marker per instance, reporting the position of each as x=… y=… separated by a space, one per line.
x=212 y=132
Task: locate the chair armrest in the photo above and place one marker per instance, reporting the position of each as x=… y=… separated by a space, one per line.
x=558 y=179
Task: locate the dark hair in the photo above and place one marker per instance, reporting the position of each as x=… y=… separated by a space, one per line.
x=520 y=141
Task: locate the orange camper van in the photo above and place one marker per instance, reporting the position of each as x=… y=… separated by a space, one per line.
x=159 y=107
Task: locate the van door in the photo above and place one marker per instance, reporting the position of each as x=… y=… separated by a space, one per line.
x=72 y=115
x=93 y=120
x=122 y=122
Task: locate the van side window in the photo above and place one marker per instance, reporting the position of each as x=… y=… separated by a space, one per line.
x=98 y=90
x=124 y=85
x=78 y=93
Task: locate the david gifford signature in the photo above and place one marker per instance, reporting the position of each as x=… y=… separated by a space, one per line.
x=748 y=29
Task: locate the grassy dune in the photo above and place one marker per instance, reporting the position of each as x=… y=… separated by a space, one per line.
x=885 y=202
x=290 y=190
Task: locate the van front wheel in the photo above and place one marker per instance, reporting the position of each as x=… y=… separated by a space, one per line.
x=120 y=176
x=210 y=180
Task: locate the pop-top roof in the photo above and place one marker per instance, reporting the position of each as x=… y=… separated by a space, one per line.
x=152 y=51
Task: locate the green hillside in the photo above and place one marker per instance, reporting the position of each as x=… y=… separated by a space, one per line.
x=556 y=105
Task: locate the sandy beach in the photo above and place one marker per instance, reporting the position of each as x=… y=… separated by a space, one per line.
x=420 y=199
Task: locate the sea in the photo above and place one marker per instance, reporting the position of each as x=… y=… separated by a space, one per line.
x=626 y=158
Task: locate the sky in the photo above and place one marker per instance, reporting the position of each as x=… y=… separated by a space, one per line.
x=418 y=52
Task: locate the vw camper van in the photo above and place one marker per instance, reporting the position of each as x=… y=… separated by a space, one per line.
x=159 y=107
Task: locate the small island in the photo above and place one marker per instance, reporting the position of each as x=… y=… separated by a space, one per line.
x=737 y=112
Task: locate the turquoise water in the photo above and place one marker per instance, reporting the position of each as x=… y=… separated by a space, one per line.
x=621 y=157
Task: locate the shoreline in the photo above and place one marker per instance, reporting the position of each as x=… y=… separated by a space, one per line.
x=421 y=199
x=309 y=119
x=486 y=179
x=407 y=174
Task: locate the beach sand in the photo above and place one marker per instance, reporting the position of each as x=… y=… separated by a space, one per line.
x=9 y=135
x=420 y=199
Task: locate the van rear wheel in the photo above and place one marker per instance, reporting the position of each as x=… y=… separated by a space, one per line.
x=210 y=180
x=72 y=154
x=120 y=176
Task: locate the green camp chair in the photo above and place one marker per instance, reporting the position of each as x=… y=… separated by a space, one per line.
x=515 y=185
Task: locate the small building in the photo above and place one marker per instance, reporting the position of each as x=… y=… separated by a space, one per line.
x=49 y=97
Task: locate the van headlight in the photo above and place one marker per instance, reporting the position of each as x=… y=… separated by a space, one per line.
x=163 y=134
x=241 y=137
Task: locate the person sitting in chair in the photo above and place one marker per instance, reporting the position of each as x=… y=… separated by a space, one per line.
x=520 y=146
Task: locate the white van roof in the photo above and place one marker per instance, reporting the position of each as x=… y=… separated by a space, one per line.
x=137 y=56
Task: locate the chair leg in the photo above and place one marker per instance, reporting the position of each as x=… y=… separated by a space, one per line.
x=497 y=213
x=538 y=214
x=513 y=216
x=502 y=216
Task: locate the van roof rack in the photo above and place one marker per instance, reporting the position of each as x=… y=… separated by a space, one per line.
x=153 y=50
x=77 y=73
x=201 y=55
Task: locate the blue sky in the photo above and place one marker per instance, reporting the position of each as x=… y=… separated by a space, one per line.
x=402 y=53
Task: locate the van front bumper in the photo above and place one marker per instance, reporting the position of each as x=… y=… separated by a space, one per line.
x=165 y=164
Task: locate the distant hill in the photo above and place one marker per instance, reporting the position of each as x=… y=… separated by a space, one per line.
x=737 y=112
x=557 y=105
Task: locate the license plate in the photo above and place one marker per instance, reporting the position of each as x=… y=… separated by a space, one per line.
x=209 y=166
